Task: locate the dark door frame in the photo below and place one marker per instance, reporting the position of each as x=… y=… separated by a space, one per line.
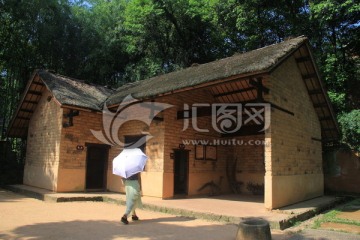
x=186 y=152
x=106 y=159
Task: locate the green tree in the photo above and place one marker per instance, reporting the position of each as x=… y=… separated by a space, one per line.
x=337 y=36
x=164 y=35
x=33 y=34
x=350 y=125
x=250 y=24
x=101 y=47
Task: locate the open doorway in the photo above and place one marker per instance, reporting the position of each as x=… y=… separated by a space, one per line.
x=181 y=172
x=96 y=165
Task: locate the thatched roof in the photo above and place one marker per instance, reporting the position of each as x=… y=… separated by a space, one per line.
x=67 y=92
x=255 y=61
x=72 y=92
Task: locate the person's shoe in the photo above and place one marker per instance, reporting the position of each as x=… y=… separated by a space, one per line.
x=124 y=220
x=135 y=218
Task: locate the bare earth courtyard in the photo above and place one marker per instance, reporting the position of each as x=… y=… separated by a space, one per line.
x=29 y=218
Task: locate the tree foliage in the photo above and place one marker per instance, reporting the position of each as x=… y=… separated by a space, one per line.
x=117 y=41
x=338 y=49
x=350 y=124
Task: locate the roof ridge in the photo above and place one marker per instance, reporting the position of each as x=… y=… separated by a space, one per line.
x=71 y=92
x=271 y=45
x=60 y=75
x=76 y=79
x=257 y=60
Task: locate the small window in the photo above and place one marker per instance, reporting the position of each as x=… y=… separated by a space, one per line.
x=205 y=152
x=199 y=152
x=211 y=153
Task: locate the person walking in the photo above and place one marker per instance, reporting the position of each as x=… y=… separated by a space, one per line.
x=133 y=197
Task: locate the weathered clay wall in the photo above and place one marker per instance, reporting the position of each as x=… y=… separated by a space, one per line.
x=200 y=171
x=251 y=161
x=250 y=158
x=72 y=169
x=43 y=145
x=293 y=160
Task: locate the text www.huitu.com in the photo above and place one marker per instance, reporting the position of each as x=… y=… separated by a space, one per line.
x=225 y=142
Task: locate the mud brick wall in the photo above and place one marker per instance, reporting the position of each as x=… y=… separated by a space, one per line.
x=293 y=160
x=78 y=134
x=43 y=144
x=249 y=153
x=200 y=171
x=72 y=169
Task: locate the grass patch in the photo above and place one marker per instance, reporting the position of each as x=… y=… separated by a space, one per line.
x=332 y=216
x=295 y=224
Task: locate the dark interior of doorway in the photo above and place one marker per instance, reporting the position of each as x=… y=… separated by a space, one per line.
x=96 y=165
x=181 y=172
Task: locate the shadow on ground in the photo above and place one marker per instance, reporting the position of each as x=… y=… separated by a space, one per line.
x=154 y=229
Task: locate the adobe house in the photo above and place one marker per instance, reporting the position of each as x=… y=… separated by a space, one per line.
x=253 y=122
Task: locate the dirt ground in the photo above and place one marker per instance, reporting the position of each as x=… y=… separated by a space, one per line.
x=341 y=227
x=27 y=218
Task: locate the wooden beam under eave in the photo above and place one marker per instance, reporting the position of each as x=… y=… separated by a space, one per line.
x=309 y=76
x=76 y=108
x=32 y=102
x=303 y=59
x=259 y=85
x=23 y=118
x=234 y=92
x=260 y=88
x=26 y=110
x=320 y=105
x=35 y=92
x=325 y=118
x=328 y=129
x=38 y=83
x=281 y=108
x=315 y=91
